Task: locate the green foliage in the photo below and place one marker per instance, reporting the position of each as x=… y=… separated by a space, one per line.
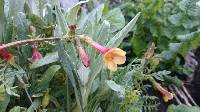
x=59 y=82
x=172 y=25
x=183 y=108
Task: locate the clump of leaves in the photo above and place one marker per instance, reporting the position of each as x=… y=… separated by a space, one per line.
x=172 y=25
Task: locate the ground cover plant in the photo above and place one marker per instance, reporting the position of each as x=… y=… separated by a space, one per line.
x=55 y=58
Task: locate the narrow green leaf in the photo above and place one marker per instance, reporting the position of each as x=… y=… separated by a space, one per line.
x=73 y=12
x=47 y=77
x=35 y=105
x=1 y=19
x=117 y=39
x=69 y=69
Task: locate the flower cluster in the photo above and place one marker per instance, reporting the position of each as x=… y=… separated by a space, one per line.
x=111 y=56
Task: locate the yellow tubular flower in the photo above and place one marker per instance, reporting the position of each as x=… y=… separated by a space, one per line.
x=113 y=57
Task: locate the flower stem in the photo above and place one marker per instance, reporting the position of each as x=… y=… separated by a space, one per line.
x=30 y=41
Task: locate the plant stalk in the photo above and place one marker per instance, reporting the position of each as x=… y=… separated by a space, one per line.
x=30 y=41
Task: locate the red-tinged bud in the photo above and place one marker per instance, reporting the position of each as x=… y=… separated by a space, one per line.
x=84 y=57
x=7 y=56
x=99 y=47
x=36 y=55
x=165 y=94
x=72 y=27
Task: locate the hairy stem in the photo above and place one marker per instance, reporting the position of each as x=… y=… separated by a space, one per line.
x=30 y=41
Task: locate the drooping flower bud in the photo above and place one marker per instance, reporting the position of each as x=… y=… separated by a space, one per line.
x=165 y=94
x=36 y=56
x=7 y=56
x=84 y=57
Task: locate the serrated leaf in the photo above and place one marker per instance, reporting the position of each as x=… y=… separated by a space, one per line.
x=161 y=74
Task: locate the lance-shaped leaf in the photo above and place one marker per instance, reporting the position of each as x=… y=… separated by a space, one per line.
x=47 y=77
x=117 y=39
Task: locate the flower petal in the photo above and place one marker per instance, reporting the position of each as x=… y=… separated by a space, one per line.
x=118 y=51
x=166 y=98
x=111 y=65
x=119 y=59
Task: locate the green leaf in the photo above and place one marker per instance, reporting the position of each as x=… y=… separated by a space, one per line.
x=115 y=87
x=161 y=74
x=15 y=6
x=1 y=20
x=73 y=12
x=69 y=69
x=49 y=58
x=167 y=54
x=176 y=19
x=115 y=18
x=36 y=21
x=36 y=104
x=138 y=45
x=18 y=109
x=102 y=35
x=47 y=77
x=10 y=91
x=174 y=47
x=188 y=36
x=60 y=18
x=91 y=18
x=183 y=108
x=117 y=39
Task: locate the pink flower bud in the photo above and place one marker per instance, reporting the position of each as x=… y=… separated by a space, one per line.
x=165 y=94
x=99 y=47
x=84 y=57
x=7 y=56
x=36 y=55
